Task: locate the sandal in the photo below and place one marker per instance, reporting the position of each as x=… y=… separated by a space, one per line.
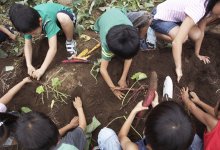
x=71 y=47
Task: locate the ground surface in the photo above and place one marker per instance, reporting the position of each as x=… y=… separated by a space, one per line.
x=98 y=100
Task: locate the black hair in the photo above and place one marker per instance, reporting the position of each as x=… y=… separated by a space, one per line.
x=24 y=18
x=209 y=6
x=169 y=127
x=123 y=41
x=7 y=121
x=36 y=131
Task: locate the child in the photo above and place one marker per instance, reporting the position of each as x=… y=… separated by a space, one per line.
x=167 y=127
x=142 y=20
x=118 y=37
x=209 y=117
x=6 y=33
x=176 y=20
x=30 y=131
x=7 y=120
x=46 y=18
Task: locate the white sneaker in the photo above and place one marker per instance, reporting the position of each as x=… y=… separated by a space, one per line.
x=71 y=48
x=168 y=88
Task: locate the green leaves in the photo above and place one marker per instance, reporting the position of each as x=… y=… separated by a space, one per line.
x=56 y=82
x=40 y=89
x=139 y=76
x=25 y=109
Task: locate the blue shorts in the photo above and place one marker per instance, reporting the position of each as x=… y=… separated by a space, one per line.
x=161 y=26
x=3 y=36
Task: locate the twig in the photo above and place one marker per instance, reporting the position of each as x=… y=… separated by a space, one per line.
x=54 y=75
x=125 y=119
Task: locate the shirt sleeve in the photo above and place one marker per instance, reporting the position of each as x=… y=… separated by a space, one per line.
x=3 y=108
x=106 y=54
x=196 y=10
x=27 y=36
x=51 y=29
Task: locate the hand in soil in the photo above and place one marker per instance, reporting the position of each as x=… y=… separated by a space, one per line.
x=31 y=69
x=27 y=80
x=116 y=91
x=194 y=98
x=139 y=107
x=155 y=102
x=184 y=93
x=37 y=74
x=74 y=122
x=122 y=83
x=77 y=103
x=205 y=59
x=179 y=74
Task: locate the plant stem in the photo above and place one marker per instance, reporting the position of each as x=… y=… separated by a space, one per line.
x=128 y=92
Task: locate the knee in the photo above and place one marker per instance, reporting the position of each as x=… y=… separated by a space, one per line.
x=196 y=35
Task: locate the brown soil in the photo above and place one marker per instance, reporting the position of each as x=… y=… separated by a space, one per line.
x=98 y=100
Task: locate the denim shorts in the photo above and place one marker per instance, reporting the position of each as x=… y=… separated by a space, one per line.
x=161 y=26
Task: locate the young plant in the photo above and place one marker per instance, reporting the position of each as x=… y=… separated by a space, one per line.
x=137 y=77
x=40 y=90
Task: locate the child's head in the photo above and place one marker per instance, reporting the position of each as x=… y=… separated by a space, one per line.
x=6 y=121
x=36 y=131
x=123 y=41
x=217 y=110
x=25 y=19
x=168 y=127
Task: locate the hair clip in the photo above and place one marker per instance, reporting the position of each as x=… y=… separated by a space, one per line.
x=1 y=123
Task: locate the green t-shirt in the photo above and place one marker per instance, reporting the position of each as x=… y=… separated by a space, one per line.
x=65 y=146
x=105 y=22
x=48 y=13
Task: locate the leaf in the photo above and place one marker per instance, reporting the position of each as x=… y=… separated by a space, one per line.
x=139 y=76
x=40 y=89
x=56 y=82
x=89 y=129
x=25 y=109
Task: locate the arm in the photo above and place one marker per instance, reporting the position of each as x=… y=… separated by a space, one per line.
x=82 y=119
x=205 y=118
x=49 y=57
x=183 y=32
x=28 y=56
x=6 y=31
x=10 y=94
x=73 y=123
x=122 y=82
x=204 y=106
x=108 y=80
x=123 y=133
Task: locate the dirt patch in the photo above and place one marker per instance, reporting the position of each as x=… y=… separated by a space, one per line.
x=98 y=100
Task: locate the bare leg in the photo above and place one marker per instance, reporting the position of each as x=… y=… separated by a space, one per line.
x=66 y=24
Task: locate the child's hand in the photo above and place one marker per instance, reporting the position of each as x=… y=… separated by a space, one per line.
x=194 y=98
x=27 y=80
x=77 y=103
x=155 y=102
x=31 y=69
x=139 y=107
x=184 y=93
x=37 y=74
x=122 y=83
x=74 y=122
x=117 y=92
x=179 y=74
x=205 y=59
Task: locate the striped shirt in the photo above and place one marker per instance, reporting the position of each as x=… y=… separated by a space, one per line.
x=177 y=10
